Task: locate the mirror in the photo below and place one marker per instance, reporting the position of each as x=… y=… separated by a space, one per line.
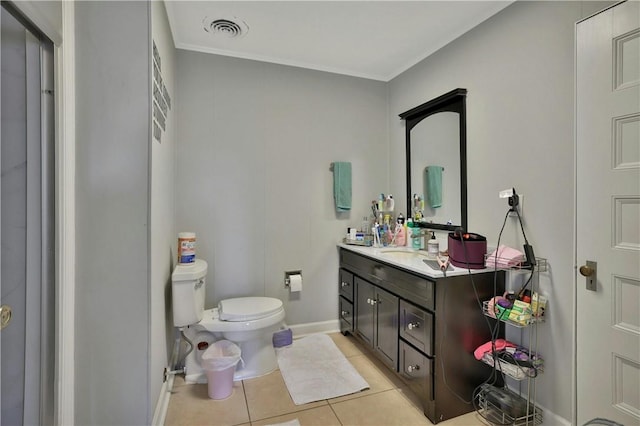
x=436 y=149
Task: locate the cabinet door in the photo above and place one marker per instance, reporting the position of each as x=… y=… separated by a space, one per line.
x=365 y=310
x=386 y=342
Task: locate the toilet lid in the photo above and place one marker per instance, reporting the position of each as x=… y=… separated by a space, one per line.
x=248 y=308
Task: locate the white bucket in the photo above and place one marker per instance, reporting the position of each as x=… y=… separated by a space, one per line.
x=186 y=247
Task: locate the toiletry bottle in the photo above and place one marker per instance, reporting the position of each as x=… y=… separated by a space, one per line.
x=433 y=247
x=408 y=231
x=416 y=238
x=365 y=226
x=401 y=236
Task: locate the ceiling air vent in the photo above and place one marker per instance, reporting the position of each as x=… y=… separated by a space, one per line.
x=229 y=28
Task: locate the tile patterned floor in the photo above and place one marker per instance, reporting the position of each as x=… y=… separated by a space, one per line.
x=266 y=401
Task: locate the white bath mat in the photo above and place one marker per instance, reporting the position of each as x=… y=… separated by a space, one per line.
x=293 y=422
x=314 y=369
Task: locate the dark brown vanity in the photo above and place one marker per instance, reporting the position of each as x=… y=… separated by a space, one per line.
x=422 y=325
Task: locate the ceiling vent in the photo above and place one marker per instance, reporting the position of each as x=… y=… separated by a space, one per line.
x=229 y=28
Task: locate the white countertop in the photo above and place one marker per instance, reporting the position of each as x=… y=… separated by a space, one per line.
x=409 y=259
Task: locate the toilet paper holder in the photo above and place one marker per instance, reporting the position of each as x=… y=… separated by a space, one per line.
x=287 y=277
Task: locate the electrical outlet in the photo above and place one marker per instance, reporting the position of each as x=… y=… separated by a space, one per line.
x=520 y=206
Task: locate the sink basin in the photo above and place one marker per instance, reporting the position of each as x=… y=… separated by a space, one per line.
x=399 y=254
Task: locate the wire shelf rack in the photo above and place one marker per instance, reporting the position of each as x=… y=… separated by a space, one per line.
x=518 y=411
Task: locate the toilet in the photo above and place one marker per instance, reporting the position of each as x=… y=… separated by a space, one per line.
x=249 y=322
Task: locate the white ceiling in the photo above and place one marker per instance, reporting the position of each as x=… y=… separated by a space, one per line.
x=370 y=39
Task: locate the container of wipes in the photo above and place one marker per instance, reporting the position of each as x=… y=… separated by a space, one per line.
x=186 y=247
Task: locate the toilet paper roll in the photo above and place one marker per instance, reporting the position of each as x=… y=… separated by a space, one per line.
x=295 y=283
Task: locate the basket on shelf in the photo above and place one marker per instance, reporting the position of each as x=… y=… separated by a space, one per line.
x=507 y=407
x=513 y=369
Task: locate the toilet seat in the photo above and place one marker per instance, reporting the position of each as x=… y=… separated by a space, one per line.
x=244 y=313
x=248 y=308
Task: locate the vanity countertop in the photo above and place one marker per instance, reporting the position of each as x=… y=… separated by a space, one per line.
x=408 y=259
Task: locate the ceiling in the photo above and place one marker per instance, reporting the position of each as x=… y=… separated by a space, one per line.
x=371 y=39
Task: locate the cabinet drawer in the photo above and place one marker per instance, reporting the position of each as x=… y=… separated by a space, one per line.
x=346 y=315
x=346 y=284
x=416 y=327
x=417 y=371
x=408 y=285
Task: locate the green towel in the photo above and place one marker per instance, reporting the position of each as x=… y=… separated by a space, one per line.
x=433 y=184
x=342 y=185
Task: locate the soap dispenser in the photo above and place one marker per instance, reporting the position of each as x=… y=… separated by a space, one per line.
x=433 y=248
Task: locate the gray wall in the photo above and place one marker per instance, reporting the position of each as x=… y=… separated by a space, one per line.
x=162 y=235
x=518 y=69
x=255 y=142
x=112 y=213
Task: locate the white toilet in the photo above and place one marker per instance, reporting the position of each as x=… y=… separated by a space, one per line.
x=247 y=321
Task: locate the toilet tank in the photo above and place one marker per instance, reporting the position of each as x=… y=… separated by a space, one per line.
x=188 y=291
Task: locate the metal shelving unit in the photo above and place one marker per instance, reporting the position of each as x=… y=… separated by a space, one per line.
x=506 y=406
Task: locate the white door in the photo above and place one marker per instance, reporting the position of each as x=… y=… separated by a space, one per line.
x=26 y=227
x=608 y=215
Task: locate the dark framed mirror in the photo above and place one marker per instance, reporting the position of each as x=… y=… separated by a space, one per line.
x=436 y=150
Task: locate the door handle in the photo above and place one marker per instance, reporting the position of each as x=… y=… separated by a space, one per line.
x=590 y=272
x=413 y=325
x=412 y=368
x=586 y=271
x=5 y=316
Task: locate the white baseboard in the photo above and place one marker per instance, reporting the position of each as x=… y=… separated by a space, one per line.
x=552 y=419
x=301 y=330
x=162 y=404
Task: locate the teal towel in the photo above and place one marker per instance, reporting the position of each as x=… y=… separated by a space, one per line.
x=342 y=185
x=433 y=184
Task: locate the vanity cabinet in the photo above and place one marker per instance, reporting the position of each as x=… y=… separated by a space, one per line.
x=423 y=326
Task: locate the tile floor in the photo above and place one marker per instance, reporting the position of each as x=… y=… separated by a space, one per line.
x=266 y=401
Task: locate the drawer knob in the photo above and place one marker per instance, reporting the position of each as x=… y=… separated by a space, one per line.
x=344 y=284
x=412 y=368
x=413 y=325
x=344 y=313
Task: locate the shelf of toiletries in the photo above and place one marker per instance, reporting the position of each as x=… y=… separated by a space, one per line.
x=521 y=314
x=501 y=406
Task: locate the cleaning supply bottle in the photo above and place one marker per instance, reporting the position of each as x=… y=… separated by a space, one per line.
x=433 y=248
